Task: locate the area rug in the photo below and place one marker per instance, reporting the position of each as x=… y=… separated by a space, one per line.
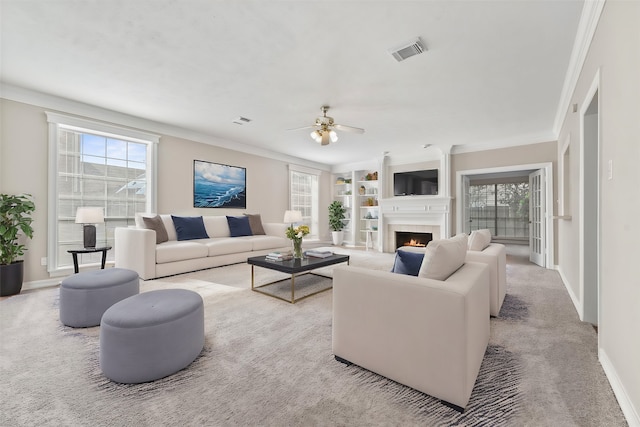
x=269 y=363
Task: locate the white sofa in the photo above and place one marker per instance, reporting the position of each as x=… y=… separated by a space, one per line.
x=428 y=334
x=136 y=248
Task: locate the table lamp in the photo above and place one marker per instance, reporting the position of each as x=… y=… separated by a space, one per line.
x=88 y=216
x=292 y=216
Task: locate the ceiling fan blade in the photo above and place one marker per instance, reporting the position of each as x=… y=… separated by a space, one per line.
x=348 y=128
x=305 y=127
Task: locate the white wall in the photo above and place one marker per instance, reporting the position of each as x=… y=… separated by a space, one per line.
x=614 y=54
x=23 y=169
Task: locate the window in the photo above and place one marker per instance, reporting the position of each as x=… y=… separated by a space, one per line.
x=98 y=165
x=502 y=208
x=303 y=196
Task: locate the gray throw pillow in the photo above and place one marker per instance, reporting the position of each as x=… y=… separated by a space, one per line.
x=155 y=223
x=255 y=222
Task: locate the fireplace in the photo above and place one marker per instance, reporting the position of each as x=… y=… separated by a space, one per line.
x=412 y=238
x=415 y=214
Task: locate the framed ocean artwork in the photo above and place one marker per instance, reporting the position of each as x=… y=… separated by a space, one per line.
x=219 y=186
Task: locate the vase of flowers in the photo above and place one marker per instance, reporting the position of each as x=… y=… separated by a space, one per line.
x=296 y=234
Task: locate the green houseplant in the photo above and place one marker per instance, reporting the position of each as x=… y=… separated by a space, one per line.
x=15 y=217
x=336 y=221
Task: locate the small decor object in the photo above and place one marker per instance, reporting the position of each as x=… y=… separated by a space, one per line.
x=315 y=253
x=279 y=256
x=15 y=216
x=219 y=186
x=336 y=221
x=362 y=189
x=295 y=233
x=372 y=176
x=88 y=216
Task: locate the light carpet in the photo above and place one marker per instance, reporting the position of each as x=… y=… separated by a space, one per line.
x=269 y=363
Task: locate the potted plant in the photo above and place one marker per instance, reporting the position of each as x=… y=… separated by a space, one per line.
x=336 y=221
x=15 y=216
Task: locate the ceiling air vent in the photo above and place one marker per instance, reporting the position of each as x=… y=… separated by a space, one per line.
x=241 y=120
x=407 y=50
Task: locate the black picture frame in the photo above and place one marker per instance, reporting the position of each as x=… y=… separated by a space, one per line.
x=216 y=185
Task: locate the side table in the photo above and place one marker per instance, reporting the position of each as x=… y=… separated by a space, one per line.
x=75 y=252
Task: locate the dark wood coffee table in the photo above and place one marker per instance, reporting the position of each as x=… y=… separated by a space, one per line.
x=295 y=267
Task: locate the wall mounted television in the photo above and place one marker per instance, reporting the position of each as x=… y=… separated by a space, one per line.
x=416 y=183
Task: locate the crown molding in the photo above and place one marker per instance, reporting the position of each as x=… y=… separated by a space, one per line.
x=496 y=145
x=589 y=18
x=64 y=105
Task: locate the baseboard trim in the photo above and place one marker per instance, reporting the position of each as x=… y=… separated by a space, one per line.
x=39 y=284
x=630 y=413
x=574 y=299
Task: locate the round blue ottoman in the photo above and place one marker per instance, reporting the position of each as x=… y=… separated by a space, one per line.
x=151 y=335
x=84 y=297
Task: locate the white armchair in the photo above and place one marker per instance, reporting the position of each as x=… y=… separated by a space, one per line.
x=428 y=334
x=495 y=256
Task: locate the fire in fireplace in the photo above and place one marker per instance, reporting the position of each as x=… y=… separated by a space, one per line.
x=405 y=238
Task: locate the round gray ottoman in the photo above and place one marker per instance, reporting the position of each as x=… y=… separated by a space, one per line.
x=151 y=335
x=84 y=297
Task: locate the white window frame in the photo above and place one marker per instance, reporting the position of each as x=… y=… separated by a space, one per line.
x=315 y=209
x=57 y=120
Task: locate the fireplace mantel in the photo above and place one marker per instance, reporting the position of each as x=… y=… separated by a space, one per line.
x=432 y=212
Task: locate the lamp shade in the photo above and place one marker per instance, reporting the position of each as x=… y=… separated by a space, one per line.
x=292 y=216
x=89 y=215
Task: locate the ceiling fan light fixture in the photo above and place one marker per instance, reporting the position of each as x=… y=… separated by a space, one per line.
x=325 y=138
x=316 y=135
x=333 y=135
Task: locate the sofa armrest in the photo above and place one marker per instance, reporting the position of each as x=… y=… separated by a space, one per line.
x=135 y=249
x=495 y=256
x=427 y=334
x=275 y=229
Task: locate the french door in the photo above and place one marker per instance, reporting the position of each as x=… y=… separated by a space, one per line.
x=537 y=217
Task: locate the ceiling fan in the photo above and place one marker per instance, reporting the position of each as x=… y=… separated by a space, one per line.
x=325 y=128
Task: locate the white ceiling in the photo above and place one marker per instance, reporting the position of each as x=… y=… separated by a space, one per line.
x=493 y=72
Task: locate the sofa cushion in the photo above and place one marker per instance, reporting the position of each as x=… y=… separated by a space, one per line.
x=155 y=223
x=259 y=243
x=255 y=222
x=172 y=251
x=479 y=239
x=216 y=226
x=171 y=228
x=407 y=262
x=189 y=227
x=239 y=226
x=443 y=257
x=227 y=245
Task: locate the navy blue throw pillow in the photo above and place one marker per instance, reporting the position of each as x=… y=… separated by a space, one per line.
x=189 y=227
x=407 y=262
x=239 y=226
